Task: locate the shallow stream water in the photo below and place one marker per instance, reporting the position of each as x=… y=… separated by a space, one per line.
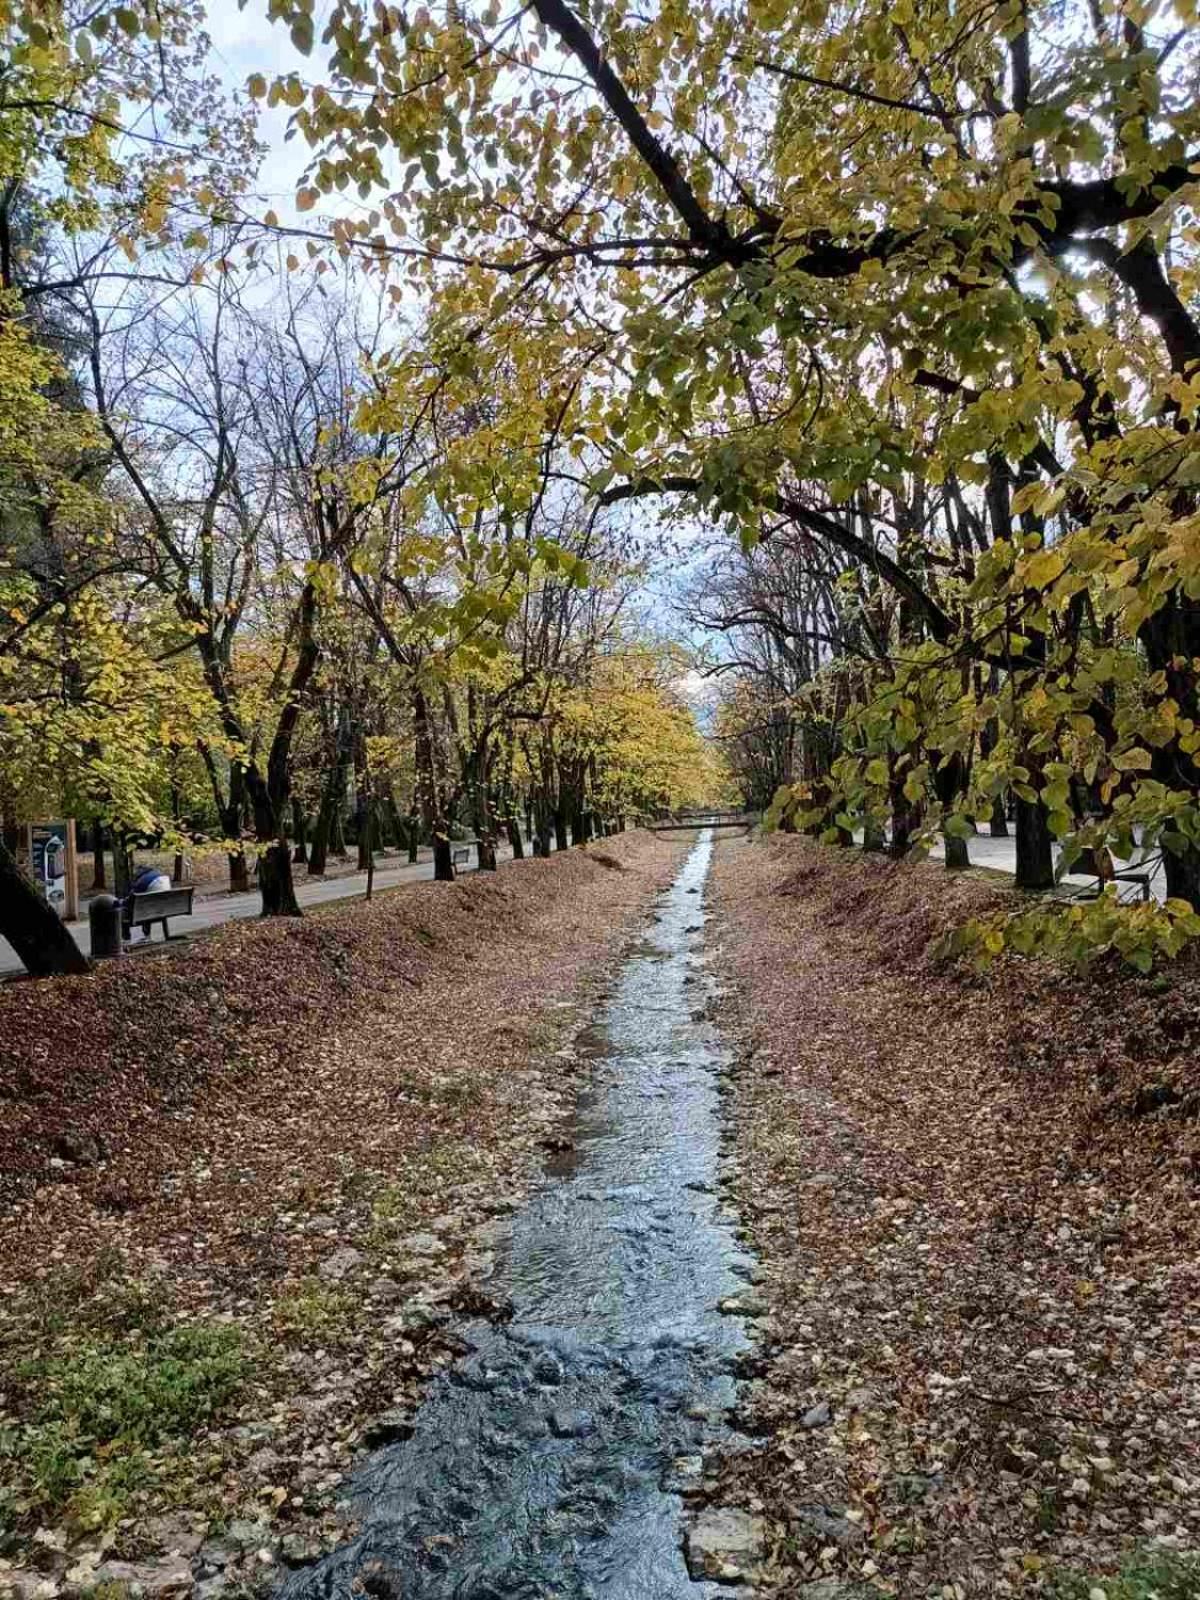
x=544 y=1465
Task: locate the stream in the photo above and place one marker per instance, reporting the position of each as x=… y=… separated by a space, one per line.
x=546 y=1464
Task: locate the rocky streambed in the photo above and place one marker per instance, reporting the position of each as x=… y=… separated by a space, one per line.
x=555 y=1458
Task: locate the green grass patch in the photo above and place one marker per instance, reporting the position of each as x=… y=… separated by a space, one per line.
x=1148 y=1575
x=104 y=1414
x=391 y=1203
x=144 y=1393
x=315 y=1310
x=438 y=1161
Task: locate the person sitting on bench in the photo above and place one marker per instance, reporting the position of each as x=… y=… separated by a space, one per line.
x=149 y=880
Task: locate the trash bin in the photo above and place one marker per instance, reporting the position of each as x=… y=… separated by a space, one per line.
x=104 y=921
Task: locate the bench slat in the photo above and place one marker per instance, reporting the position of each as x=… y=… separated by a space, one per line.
x=160 y=904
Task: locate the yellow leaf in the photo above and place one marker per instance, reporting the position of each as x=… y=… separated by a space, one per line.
x=1042 y=569
x=1135 y=760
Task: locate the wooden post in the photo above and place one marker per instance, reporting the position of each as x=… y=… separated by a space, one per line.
x=72 y=873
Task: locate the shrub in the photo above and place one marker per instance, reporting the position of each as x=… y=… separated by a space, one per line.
x=1148 y=1575
x=99 y=1410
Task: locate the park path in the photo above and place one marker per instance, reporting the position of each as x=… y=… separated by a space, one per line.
x=218 y=909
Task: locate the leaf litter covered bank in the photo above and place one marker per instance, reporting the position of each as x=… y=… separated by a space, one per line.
x=245 y=1188
x=976 y=1202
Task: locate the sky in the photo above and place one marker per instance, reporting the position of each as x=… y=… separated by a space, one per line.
x=243 y=42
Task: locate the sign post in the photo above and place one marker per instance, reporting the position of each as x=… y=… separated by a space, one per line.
x=52 y=860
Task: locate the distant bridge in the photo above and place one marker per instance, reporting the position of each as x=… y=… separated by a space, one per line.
x=688 y=821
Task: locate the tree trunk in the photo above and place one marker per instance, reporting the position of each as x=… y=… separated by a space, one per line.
x=318 y=850
x=437 y=807
x=99 y=877
x=443 y=860
x=514 y=838
x=414 y=834
x=485 y=821
x=362 y=805
x=331 y=803
x=232 y=813
x=950 y=781
x=1183 y=876
x=370 y=821
x=179 y=865
x=300 y=832
x=561 y=841
x=395 y=821
x=271 y=801
x=540 y=830
x=332 y=797
x=1171 y=638
x=957 y=855
x=32 y=926
x=905 y=819
x=122 y=864
x=275 y=881
x=270 y=790
x=1035 y=854
x=989 y=737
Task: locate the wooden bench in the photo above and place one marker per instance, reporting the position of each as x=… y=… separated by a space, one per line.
x=157 y=906
x=1142 y=879
x=1108 y=873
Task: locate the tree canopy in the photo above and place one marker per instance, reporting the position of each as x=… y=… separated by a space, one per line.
x=915 y=283
x=899 y=300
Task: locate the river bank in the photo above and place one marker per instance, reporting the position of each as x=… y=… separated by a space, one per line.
x=975 y=1202
x=242 y=1188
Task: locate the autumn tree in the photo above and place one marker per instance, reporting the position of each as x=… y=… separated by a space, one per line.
x=78 y=154
x=756 y=238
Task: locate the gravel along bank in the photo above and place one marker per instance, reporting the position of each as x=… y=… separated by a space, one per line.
x=245 y=1188
x=976 y=1204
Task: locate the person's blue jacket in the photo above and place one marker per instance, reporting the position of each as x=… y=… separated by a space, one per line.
x=144 y=880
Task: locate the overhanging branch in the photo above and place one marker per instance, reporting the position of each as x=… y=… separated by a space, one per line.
x=940 y=625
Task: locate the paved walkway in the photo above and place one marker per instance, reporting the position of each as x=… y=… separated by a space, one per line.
x=1001 y=856
x=211 y=912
